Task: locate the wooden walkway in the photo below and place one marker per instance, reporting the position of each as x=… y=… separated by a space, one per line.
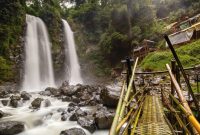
x=152 y=121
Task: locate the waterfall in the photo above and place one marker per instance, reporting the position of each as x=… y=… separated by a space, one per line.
x=38 y=68
x=74 y=74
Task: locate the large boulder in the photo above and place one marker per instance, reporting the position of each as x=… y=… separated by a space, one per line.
x=73 y=131
x=25 y=95
x=11 y=127
x=55 y=92
x=77 y=113
x=3 y=93
x=88 y=123
x=68 y=90
x=66 y=99
x=5 y=102
x=101 y=117
x=109 y=97
x=14 y=100
x=36 y=103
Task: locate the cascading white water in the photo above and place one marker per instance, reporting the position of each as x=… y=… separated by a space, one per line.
x=38 y=62
x=70 y=52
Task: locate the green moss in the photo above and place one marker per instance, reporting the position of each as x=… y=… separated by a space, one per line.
x=6 y=72
x=189 y=55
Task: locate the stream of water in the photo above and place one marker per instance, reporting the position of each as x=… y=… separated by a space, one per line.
x=38 y=69
x=46 y=120
x=73 y=73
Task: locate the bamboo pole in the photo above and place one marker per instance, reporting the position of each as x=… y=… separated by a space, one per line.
x=178 y=90
x=136 y=121
x=127 y=116
x=115 y=121
x=128 y=91
x=182 y=70
x=131 y=99
x=190 y=116
x=180 y=122
x=133 y=117
x=183 y=101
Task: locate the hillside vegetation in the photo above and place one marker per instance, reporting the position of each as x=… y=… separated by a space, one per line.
x=189 y=55
x=106 y=31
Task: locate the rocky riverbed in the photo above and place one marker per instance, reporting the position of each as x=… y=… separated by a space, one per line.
x=67 y=110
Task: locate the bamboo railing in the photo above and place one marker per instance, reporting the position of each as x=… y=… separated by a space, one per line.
x=186 y=109
x=122 y=102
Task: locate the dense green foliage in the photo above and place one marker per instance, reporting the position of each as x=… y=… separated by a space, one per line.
x=12 y=20
x=188 y=54
x=106 y=31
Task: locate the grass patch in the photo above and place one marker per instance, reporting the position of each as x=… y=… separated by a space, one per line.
x=189 y=55
x=194 y=87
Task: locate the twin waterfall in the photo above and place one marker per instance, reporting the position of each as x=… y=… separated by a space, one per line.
x=38 y=67
x=70 y=53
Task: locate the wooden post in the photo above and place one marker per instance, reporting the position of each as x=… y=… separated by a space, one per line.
x=178 y=77
x=129 y=72
x=182 y=70
x=197 y=83
x=126 y=98
x=173 y=66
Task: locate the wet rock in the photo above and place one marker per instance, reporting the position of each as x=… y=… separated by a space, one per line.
x=25 y=95
x=85 y=96
x=14 y=100
x=15 y=97
x=65 y=84
x=72 y=108
x=45 y=93
x=92 y=103
x=68 y=90
x=55 y=92
x=75 y=99
x=72 y=104
x=66 y=99
x=1 y=114
x=77 y=113
x=5 y=102
x=47 y=103
x=109 y=97
x=64 y=117
x=73 y=117
x=11 y=127
x=3 y=94
x=101 y=117
x=73 y=131
x=36 y=103
x=80 y=112
x=87 y=123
